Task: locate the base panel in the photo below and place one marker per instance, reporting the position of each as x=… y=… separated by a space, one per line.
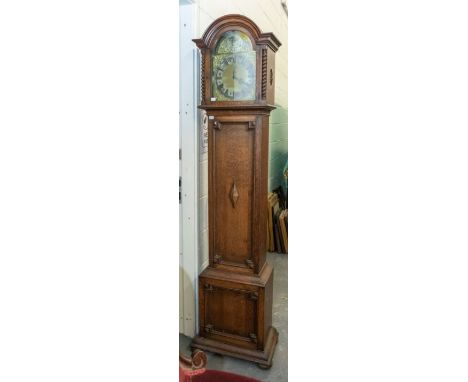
x=262 y=358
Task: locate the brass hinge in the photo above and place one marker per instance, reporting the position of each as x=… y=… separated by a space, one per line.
x=208 y=287
x=253 y=337
x=250 y=263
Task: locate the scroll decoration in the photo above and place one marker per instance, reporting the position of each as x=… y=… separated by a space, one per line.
x=250 y=263
x=253 y=296
x=196 y=361
x=253 y=337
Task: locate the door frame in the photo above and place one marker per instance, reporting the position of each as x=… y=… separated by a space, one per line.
x=189 y=165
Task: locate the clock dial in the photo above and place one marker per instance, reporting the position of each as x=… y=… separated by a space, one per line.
x=233 y=68
x=235 y=77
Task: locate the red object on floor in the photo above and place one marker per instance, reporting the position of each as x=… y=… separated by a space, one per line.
x=204 y=375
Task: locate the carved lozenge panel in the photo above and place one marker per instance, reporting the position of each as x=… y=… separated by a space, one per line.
x=233 y=181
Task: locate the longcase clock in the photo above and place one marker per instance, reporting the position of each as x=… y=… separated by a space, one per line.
x=237 y=93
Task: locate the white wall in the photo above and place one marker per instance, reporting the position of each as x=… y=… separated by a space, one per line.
x=270 y=17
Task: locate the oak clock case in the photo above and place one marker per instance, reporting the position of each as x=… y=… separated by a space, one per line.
x=237 y=93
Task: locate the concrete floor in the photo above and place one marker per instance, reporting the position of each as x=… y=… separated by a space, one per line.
x=279 y=371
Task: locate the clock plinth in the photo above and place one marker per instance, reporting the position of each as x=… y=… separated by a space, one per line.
x=237 y=93
x=263 y=358
x=235 y=315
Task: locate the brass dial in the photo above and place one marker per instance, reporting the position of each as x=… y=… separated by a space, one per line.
x=233 y=68
x=235 y=77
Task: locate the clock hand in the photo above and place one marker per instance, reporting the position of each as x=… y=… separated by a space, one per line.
x=234 y=75
x=241 y=80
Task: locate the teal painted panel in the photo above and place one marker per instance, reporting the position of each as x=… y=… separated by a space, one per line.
x=274 y=183
x=278 y=152
x=275 y=171
x=276 y=166
x=279 y=115
x=278 y=132
x=277 y=149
